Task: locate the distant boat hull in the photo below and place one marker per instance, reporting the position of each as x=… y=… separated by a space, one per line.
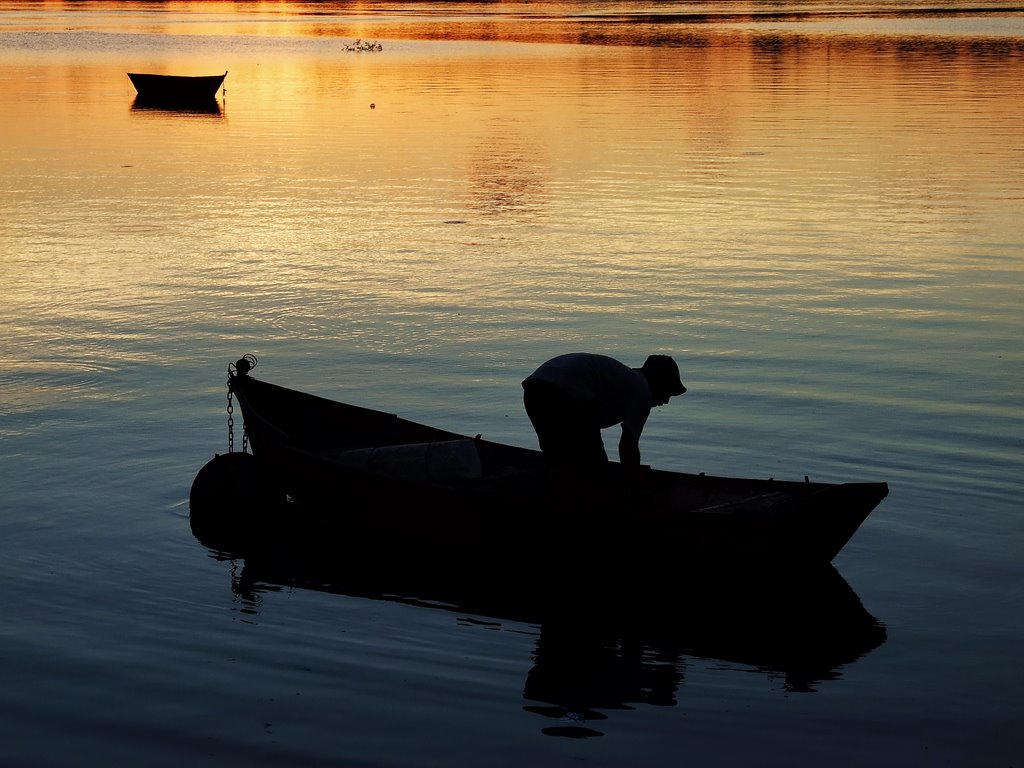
x=176 y=88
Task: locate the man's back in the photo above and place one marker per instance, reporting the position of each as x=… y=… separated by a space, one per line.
x=616 y=392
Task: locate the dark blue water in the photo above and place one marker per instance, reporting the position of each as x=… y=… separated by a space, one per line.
x=818 y=213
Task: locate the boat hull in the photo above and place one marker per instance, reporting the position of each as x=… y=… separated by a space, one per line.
x=302 y=481
x=155 y=89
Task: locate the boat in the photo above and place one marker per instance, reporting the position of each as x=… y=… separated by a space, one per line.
x=176 y=88
x=371 y=484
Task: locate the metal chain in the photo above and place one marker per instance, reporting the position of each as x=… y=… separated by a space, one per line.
x=231 y=425
x=241 y=368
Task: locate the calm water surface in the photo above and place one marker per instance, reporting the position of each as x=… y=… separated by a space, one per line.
x=816 y=207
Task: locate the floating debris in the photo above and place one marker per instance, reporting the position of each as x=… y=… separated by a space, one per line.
x=364 y=45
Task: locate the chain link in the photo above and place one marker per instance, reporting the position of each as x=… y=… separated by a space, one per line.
x=231 y=424
x=240 y=369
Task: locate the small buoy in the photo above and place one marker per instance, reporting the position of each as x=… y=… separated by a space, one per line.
x=226 y=483
x=229 y=498
x=372 y=105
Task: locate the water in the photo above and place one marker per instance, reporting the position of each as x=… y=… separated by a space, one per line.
x=816 y=209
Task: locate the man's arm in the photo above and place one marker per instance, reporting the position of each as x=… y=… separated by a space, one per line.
x=629 y=447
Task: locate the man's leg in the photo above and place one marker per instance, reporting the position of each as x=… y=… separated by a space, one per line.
x=567 y=432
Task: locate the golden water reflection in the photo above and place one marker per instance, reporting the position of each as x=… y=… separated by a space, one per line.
x=991 y=26
x=715 y=176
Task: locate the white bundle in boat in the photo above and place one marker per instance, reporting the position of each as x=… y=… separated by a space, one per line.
x=443 y=461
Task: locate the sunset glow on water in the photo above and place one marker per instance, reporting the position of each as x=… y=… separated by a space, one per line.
x=816 y=208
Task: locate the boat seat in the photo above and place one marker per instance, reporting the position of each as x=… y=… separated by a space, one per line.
x=443 y=461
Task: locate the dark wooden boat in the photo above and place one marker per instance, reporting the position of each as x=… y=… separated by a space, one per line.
x=176 y=88
x=361 y=480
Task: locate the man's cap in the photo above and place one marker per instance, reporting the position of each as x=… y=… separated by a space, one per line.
x=664 y=369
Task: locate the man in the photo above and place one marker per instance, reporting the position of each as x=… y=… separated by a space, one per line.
x=572 y=397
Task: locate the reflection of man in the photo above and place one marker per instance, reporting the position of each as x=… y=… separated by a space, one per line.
x=582 y=668
x=572 y=397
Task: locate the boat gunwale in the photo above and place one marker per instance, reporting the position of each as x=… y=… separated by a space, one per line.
x=238 y=384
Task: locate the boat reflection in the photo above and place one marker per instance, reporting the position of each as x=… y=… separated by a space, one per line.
x=801 y=630
x=599 y=648
x=205 y=107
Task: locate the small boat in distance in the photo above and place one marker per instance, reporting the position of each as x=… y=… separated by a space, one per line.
x=176 y=88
